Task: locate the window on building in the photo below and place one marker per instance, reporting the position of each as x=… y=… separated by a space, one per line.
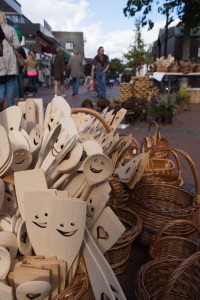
x=69 y=46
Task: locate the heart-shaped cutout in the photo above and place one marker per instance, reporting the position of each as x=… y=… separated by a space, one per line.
x=101 y=233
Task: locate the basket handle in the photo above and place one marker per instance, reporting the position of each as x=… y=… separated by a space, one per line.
x=94 y=113
x=156 y=135
x=178 y=163
x=191 y=260
x=192 y=167
x=170 y=224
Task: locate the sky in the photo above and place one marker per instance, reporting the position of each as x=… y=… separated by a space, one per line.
x=102 y=22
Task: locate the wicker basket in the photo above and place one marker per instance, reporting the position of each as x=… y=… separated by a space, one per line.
x=197 y=68
x=162 y=69
x=173 y=245
x=160 y=203
x=163 y=171
x=154 y=142
x=120 y=193
x=118 y=255
x=169 y=278
x=79 y=288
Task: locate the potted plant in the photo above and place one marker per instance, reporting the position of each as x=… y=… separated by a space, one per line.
x=183 y=99
x=162 y=108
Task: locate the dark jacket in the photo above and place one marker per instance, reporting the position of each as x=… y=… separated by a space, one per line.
x=59 y=67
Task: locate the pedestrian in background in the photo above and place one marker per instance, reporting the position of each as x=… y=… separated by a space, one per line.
x=46 y=76
x=19 y=84
x=67 y=75
x=8 y=62
x=76 y=70
x=31 y=67
x=59 y=71
x=100 y=66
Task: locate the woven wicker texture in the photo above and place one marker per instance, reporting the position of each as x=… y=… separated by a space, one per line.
x=79 y=288
x=120 y=193
x=169 y=279
x=118 y=254
x=157 y=204
x=173 y=245
x=163 y=170
x=154 y=141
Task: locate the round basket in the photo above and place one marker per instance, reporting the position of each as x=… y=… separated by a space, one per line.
x=154 y=141
x=118 y=255
x=120 y=193
x=79 y=288
x=159 y=203
x=174 y=245
x=169 y=278
x=163 y=171
x=186 y=69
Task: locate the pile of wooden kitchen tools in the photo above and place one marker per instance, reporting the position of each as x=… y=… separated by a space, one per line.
x=74 y=195
x=56 y=224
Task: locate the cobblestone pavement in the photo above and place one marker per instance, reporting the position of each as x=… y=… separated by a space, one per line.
x=183 y=133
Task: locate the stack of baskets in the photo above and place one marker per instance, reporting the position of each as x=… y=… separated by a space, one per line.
x=163 y=170
x=154 y=141
x=159 y=203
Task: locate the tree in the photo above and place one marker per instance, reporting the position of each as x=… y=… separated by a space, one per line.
x=136 y=55
x=116 y=66
x=188 y=11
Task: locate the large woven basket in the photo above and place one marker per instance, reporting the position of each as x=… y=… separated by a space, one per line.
x=79 y=288
x=120 y=193
x=154 y=141
x=118 y=254
x=169 y=278
x=159 y=203
x=163 y=170
x=174 y=245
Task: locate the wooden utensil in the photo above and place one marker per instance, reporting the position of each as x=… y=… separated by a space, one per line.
x=30 y=114
x=95 y=261
x=6 y=292
x=97 y=168
x=28 y=180
x=10 y=118
x=2 y=192
x=107 y=229
x=65 y=228
x=5 y=262
x=8 y=240
x=37 y=289
x=48 y=144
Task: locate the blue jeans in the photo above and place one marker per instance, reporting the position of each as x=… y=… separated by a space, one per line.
x=46 y=80
x=19 y=86
x=75 y=85
x=32 y=83
x=101 y=83
x=7 y=89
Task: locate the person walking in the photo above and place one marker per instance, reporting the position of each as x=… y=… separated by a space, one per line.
x=19 y=84
x=8 y=61
x=100 y=66
x=76 y=70
x=59 y=71
x=31 y=68
x=46 y=76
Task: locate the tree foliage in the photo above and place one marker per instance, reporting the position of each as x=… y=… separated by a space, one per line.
x=136 y=55
x=188 y=11
x=116 y=66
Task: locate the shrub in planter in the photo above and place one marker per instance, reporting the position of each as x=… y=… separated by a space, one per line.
x=162 y=108
x=136 y=109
